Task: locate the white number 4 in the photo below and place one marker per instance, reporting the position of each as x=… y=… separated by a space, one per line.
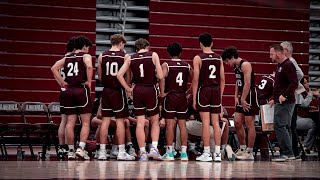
x=179 y=79
x=73 y=69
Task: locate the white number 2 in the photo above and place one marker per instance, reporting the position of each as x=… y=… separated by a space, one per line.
x=263 y=84
x=141 y=70
x=113 y=68
x=213 y=70
x=73 y=69
x=179 y=79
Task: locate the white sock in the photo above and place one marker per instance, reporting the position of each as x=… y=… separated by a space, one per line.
x=184 y=149
x=142 y=149
x=71 y=147
x=155 y=144
x=103 y=146
x=217 y=149
x=249 y=149
x=243 y=147
x=169 y=149
x=82 y=145
x=122 y=148
x=207 y=149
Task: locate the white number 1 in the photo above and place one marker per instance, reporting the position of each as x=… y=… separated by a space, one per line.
x=179 y=79
x=141 y=70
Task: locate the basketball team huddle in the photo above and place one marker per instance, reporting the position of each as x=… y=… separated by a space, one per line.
x=160 y=91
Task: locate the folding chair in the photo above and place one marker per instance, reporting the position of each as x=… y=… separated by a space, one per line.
x=14 y=126
x=43 y=127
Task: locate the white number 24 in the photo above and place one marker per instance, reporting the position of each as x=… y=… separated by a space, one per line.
x=73 y=69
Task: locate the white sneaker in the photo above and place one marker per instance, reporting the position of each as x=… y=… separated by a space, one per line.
x=231 y=156
x=206 y=157
x=132 y=152
x=114 y=154
x=96 y=154
x=103 y=155
x=71 y=155
x=123 y=156
x=246 y=156
x=239 y=152
x=82 y=153
x=217 y=157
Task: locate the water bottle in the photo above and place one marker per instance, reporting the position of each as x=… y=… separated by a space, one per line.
x=19 y=153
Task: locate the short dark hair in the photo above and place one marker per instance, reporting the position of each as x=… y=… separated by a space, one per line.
x=141 y=44
x=117 y=39
x=229 y=52
x=71 y=44
x=82 y=41
x=205 y=39
x=174 y=49
x=277 y=47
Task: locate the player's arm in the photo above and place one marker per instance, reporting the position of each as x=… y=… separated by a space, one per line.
x=195 y=80
x=246 y=69
x=87 y=59
x=222 y=79
x=121 y=73
x=100 y=67
x=156 y=62
x=189 y=91
x=55 y=71
x=161 y=83
x=128 y=73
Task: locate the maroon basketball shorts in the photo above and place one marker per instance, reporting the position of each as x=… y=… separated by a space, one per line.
x=77 y=100
x=61 y=97
x=209 y=99
x=175 y=105
x=114 y=103
x=251 y=99
x=145 y=100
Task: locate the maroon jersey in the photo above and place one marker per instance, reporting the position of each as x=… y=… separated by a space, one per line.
x=62 y=73
x=143 y=69
x=177 y=77
x=210 y=70
x=240 y=78
x=265 y=89
x=75 y=70
x=112 y=61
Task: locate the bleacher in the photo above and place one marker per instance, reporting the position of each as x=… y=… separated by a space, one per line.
x=251 y=26
x=33 y=36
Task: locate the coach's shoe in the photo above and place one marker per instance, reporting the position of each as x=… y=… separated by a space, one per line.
x=168 y=157
x=62 y=153
x=184 y=156
x=71 y=155
x=194 y=151
x=248 y=156
x=123 y=156
x=82 y=153
x=217 y=157
x=132 y=151
x=231 y=156
x=205 y=157
x=155 y=154
x=103 y=155
x=143 y=156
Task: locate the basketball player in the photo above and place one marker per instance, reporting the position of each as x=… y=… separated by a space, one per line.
x=208 y=86
x=63 y=147
x=175 y=105
x=143 y=66
x=77 y=84
x=114 y=98
x=246 y=101
x=265 y=88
